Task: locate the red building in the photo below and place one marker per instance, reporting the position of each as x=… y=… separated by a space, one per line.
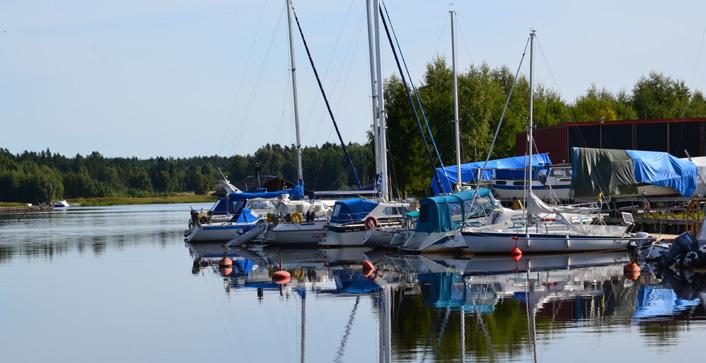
x=670 y=135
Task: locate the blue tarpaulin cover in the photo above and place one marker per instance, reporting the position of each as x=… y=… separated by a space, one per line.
x=469 y=171
x=663 y=169
x=245 y=216
x=655 y=301
x=352 y=210
x=446 y=213
x=295 y=193
x=353 y=282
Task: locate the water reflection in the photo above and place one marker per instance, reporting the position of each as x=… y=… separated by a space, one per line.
x=156 y=298
x=479 y=308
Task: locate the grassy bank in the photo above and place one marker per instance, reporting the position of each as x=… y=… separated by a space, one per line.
x=166 y=199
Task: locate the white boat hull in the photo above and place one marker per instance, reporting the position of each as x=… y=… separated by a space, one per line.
x=296 y=233
x=213 y=232
x=503 y=243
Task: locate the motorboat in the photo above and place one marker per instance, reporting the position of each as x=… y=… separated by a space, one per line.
x=61 y=204
x=298 y=222
x=352 y=218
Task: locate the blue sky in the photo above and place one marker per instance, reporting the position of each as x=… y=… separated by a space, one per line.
x=203 y=77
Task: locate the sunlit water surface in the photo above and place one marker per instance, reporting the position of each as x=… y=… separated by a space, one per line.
x=118 y=284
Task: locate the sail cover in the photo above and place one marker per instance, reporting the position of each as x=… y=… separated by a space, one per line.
x=619 y=172
x=470 y=171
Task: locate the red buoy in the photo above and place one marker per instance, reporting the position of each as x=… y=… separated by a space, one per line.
x=631 y=271
x=368 y=268
x=281 y=277
x=225 y=262
x=516 y=251
x=226 y=271
x=517 y=257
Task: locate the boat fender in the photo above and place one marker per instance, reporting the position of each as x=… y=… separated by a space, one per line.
x=297 y=218
x=225 y=262
x=371 y=222
x=516 y=252
x=368 y=268
x=281 y=277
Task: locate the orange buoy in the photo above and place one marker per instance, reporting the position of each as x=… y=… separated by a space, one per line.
x=517 y=257
x=281 y=277
x=368 y=268
x=225 y=262
x=226 y=271
x=631 y=271
x=516 y=251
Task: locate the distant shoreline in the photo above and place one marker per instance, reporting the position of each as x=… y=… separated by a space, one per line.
x=15 y=208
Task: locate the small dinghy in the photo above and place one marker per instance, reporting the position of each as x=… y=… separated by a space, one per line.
x=259 y=228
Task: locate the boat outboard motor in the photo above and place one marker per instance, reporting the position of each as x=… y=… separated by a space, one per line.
x=684 y=252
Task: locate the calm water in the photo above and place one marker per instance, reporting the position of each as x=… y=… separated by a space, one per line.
x=118 y=284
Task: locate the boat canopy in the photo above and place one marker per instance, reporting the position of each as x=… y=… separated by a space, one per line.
x=446 y=213
x=470 y=171
x=619 y=172
x=296 y=192
x=352 y=210
x=353 y=282
x=245 y=216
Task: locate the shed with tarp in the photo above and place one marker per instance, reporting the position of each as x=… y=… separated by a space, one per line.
x=445 y=178
x=614 y=172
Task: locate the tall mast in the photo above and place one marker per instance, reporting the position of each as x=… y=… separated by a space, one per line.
x=457 y=121
x=300 y=174
x=382 y=140
x=373 y=85
x=530 y=137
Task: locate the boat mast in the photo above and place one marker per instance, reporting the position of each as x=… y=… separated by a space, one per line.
x=373 y=85
x=457 y=121
x=531 y=112
x=382 y=124
x=300 y=174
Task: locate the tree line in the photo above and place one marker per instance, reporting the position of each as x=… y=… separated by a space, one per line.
x=44 y=176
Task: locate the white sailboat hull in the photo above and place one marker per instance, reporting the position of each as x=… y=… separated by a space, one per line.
x=212 y=232
x=297 y=233
x=503 y=243
x=434 y=242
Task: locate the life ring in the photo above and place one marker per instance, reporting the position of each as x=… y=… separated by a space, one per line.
x=297 y=218
x=371 y=222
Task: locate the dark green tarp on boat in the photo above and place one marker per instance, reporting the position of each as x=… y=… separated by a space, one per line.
x=602 y=170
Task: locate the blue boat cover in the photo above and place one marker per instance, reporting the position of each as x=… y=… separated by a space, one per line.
x=295 y=193
x=446 y=213
x=469 y=171
x=352 y=210
x=663 y=169
x=245 y=216
x=655 y=301
x=220 y=207
x=519 y=174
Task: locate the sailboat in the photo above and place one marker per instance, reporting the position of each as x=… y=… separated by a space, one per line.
x=352 y=219
x=547 y=228
x=297 y=222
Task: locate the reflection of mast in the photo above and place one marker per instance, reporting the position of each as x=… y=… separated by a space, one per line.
x=531 y=310
x=385 y=324
x=303 y=324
